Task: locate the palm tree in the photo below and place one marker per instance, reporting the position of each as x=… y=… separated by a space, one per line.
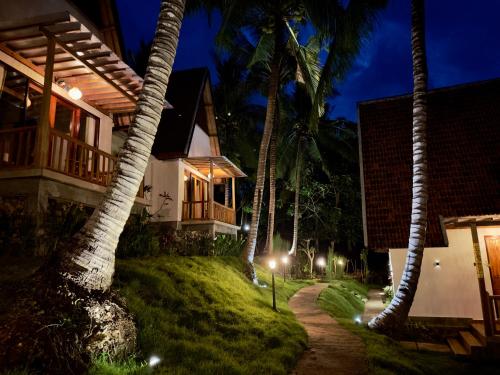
x=89 y=261
x=277 y=39
x=395 y=315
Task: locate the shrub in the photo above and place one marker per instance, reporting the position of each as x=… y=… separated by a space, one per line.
x=139 y=238
x=227 y=245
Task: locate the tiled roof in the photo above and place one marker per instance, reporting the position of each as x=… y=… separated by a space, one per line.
x=463 y=160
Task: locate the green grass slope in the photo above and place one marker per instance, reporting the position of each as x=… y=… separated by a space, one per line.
x=200 y=315
x=343 y=300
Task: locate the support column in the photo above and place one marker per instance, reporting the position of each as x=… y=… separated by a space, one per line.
x=42 y=135
x=211 y=191
x=485 y=305
x=233 y=198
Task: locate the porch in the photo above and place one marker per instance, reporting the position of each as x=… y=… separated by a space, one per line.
x=61 y=88
x=200 y=203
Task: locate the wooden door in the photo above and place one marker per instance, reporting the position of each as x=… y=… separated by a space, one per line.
x=493 y=250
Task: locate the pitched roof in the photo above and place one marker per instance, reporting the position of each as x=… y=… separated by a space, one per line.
x=463 y=160
x=186 y=94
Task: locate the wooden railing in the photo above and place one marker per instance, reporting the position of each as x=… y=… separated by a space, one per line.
x=17 y=147
x=67 y=155
x=494 y=313
x=195 y=210
x=78 y=159
x=224 y=214
x=199 y=210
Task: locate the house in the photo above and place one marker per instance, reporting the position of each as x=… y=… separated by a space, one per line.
x=186 y=162
x=456 y=282
x=63 y=89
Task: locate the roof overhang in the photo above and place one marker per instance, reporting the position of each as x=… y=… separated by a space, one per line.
x=81 y=59
x=466 y=221
x=222 y=166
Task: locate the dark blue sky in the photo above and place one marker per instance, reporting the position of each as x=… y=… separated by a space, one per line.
x=463 y=45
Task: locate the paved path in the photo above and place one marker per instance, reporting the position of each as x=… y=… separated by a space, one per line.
x=374 y=305
x=333 y=350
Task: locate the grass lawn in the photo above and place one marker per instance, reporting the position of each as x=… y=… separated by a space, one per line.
x=387 y=356
x=200 y=315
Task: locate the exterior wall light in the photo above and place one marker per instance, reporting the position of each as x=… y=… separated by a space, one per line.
x=75 y=93
x=437 y=263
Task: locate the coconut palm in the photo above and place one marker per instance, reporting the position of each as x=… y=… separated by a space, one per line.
x=397 y=312
x=276 y=41
x=89 y=262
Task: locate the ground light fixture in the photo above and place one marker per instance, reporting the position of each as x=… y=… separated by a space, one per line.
x=357 y=319
x=321 y=262
x=154 y=360
x=272 y=267
x=284 y=261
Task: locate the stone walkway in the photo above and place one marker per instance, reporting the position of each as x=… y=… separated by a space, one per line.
x=374 y=305
x=332 y=348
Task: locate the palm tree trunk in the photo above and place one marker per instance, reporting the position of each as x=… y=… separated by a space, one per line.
x=272 y=187
x=261 y=166
x=397 y=312
x=296 y=212
x=90 y=260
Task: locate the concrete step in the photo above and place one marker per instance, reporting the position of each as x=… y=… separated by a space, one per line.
x=457 y=348
x=470 y=342
x=477 y=329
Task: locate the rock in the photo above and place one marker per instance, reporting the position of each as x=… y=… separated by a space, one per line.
x=114 y=331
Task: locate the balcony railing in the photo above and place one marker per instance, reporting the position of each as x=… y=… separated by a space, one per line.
x=78 y=159
x=199 y=210
x=66 y=155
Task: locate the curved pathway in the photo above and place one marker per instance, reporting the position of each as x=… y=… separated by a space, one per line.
x=332 y=348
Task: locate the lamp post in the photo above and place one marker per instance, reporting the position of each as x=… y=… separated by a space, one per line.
x=284 y=261
x=272 y=266
x=321 y=263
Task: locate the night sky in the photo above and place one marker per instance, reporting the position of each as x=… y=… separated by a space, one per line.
x=463 y=45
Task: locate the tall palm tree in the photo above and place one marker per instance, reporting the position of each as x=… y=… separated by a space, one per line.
x=272 y=188
x=395 y=315
x=89 y=262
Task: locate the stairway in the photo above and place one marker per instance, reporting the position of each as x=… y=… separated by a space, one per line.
x=472 y=342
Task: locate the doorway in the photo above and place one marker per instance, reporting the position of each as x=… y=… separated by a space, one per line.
x=493 y=251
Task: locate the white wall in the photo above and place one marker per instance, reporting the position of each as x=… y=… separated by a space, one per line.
x=450 y=290
x=200 y=144
x=165 y=176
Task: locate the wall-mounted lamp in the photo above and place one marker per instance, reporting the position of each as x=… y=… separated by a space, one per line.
x=74 y=92
x=436 y=263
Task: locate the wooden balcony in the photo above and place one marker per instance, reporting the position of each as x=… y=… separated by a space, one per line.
x=66 y=155
x=200 y=210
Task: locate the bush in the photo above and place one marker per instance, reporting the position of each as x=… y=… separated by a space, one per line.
x=227 y=245
x=138 y=238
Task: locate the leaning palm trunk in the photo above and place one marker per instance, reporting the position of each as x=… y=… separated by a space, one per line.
x=296 y=213
x=272 y=189
x=90 y=262
x=396 y=313
x=261 y=166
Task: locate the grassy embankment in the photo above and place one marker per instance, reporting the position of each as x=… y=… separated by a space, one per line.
x=200 y=315
x=344 y=300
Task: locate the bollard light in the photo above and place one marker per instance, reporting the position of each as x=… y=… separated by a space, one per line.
x=272 y=266
x=154 y=360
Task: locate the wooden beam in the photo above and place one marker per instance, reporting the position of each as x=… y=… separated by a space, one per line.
x=71 y=37
x=42 y=136
x=211 y=191
x=233 y=194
